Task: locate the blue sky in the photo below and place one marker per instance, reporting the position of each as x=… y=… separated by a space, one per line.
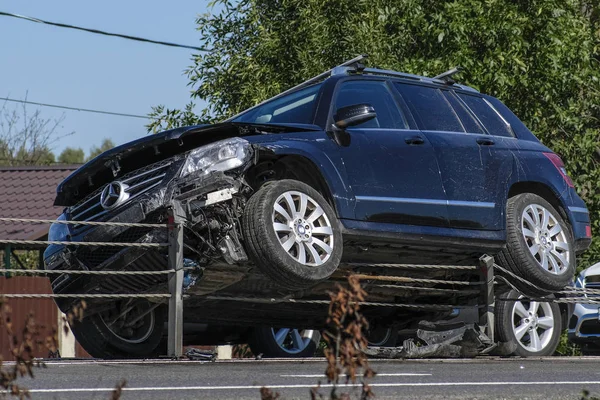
x=80 y=69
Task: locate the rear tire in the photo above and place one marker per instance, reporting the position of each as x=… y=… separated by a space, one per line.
x=382 y=336
x=284 y=342
x=102 y=338
x=292 y=234
x=539 y=245
x=536 y=334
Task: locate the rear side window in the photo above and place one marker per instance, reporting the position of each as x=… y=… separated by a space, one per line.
x=377 y=94
x=430 y=107
x=469 y=122
x=489 y=117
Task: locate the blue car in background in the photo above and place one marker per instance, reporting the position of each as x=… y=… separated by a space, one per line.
x=355 y=165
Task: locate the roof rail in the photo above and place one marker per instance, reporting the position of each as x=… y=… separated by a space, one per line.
x=447 y=76
x=387 y=72
x=442 y=79
x=326 y=74
x=355 y=61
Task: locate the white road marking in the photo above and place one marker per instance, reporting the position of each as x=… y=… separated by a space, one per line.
x=247 y=387
x=377 y=375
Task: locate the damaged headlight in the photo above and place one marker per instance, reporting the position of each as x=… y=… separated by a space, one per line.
x=219 y=156
x=59 y=232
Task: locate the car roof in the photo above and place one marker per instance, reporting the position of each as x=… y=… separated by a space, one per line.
x=341 y=72
x=354 y=67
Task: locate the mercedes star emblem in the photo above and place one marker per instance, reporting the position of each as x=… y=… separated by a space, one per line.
x=113 y=195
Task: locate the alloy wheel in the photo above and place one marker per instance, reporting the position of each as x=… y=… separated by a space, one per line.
x=292 y=341
x=379 y=337
x=533 y=324
x=303 y=229
x=131 y=322
x=545 y=238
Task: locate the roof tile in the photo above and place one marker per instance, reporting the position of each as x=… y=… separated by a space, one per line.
x=29 y=192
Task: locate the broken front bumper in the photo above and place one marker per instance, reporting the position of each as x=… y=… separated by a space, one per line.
x=149 y=208
x=584 y=325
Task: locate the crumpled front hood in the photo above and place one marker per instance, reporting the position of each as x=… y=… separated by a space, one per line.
x=114 y=163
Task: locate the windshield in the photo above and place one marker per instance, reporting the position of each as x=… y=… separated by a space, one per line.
x=295 y=108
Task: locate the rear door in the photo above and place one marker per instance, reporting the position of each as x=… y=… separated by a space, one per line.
x=391 y=165
x=472 y=168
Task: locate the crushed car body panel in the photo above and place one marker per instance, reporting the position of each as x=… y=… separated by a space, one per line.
x=153 y=148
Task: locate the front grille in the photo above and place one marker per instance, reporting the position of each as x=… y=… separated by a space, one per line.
x=139 y=182
x=592 y=285
x=149 y=261
x=93 y=257
x=590 y=327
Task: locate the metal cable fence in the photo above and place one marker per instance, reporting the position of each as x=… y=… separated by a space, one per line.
x=483 y=287
x=174 y=271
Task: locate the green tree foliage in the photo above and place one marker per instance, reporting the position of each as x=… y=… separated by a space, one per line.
x=25 y=155
x=165 y=118
x=71 y=155
x=540 y=57
x=107 y=144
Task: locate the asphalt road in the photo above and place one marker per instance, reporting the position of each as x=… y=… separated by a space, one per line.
x=482 y=378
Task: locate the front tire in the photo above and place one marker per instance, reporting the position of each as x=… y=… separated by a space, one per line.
x=539 y=245
x=534 y=326
x=135 y=334
x=284 y=342
x=292 y=234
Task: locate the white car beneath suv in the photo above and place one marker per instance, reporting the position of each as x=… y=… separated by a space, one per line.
x=584 y=325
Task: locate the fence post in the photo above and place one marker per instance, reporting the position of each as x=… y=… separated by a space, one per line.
x=7 y=251
x=175 y=338
x=66 y=339
x=486 y=314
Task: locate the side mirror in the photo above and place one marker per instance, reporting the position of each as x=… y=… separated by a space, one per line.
x=356 y=114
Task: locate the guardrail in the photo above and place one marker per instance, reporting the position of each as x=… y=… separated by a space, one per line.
x=175 y=269
x=484 y=287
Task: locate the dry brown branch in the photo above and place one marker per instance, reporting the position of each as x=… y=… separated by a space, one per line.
x=118 y=390
x=267 y=394
x=23 y=345
x=76 y=314
x=22 y=351
x=345 y=338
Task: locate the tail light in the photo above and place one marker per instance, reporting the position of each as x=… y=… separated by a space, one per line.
x=588 y=231
x=560 y=166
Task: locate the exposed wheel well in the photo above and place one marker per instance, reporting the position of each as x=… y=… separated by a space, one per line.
x=541 y=190
x=274 y=168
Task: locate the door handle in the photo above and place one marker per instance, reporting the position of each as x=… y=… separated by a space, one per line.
x=414 y=140
x=485 y=142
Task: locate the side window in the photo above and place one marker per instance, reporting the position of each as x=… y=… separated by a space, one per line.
x=378 y=95
x=469 y=122
x=296 y=107
x=430 y=107
x=489 y=117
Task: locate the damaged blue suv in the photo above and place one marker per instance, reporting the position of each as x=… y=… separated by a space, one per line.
x=357 y=165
